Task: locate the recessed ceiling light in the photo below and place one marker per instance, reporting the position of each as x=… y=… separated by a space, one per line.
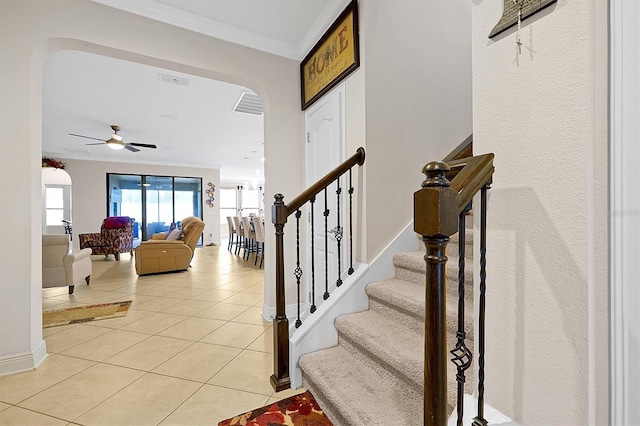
x=262 y=159
x=169 y=117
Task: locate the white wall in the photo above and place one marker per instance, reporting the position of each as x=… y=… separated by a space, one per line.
x=624 y=213
x=89 y=192
x=543 y=113
x=29 y=31
x=418 y=101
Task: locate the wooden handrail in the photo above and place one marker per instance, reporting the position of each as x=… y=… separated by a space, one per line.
x=446 y=194
x=469 y=176
x=464 y=150
x=279 y=213
x=313 y=190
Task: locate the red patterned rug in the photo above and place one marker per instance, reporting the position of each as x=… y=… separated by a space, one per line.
x=298 y=410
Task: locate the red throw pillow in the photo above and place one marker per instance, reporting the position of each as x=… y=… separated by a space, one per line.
x=114 y=222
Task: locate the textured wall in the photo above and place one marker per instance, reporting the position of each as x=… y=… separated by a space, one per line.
x=418 y=101
x=29 y=31
x=543 y=114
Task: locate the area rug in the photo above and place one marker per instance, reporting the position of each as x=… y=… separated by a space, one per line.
x=84 y=314
x=298 y=410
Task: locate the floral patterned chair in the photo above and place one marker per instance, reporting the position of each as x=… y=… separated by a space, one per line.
x=115 y=237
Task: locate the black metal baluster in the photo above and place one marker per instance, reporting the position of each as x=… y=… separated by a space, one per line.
x=462 y=356
x=350 y=271
x=313 y=258
x=325 y=296
x=479 y=419
x=298 y=270
x=338 y=234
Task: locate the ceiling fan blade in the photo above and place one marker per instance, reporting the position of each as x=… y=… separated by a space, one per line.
x=100 y=143
x=87 y=137
x=130 y=148
x=143 y=145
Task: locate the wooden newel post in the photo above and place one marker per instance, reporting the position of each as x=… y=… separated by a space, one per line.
x=435 y=218
x=280 y=378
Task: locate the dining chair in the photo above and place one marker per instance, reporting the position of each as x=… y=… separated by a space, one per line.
x=259 y=230
x=232 y=232
x=239 y=233
x=249 y=237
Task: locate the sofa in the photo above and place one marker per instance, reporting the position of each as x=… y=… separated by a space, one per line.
x=115 y=237
x=160 y=254
x=60 y=266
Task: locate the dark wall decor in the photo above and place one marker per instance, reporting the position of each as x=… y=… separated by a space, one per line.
x=510 y=13
x=335 y=56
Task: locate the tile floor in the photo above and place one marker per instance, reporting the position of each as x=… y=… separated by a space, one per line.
x=192 y=350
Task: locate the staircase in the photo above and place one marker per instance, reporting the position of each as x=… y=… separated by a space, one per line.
x=375 y=374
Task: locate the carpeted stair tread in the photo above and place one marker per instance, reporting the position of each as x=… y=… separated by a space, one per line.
x=405 y=301
x=411 y=267
x=392 y=345
x=357 y=393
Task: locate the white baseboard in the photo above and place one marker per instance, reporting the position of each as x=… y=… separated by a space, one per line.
x=491 y=415
x=269 y=313
x=25 y=361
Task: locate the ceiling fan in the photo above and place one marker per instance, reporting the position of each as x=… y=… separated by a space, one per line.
x=115 y=142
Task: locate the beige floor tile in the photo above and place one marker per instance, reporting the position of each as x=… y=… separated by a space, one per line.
x=186 y=293
x=199 y=362
x=66 y=339
x=258 y=289
x=54 y=369
x=215 y=295
x=46 y=332
x=149 y=353
x=252 y=315
x=192 y=328
x=154 y=323
x=50 y=304
x=146 y=402
x=250 y=371
x=78 y=394
x=223 y=311
x=95 y=297
x=286 y=393
x=237 y=285
x=212 y=404
x=249 y=299
x=264 y=342
x=107 y=345
x=233 y=334
x=21 y=417
x=188 y=307
x=130 y=317
x=156 y=305
x=4 y=406
x=155 y=290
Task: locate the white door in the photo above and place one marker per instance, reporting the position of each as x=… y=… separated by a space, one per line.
x=325 y=124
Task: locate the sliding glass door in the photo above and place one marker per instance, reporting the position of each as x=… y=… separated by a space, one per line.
x=159 y=216
x=155 y=202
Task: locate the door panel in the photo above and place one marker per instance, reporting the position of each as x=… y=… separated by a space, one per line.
x=325 y=151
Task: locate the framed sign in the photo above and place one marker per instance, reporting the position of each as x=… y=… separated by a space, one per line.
x=335 y=56
x=512 y=8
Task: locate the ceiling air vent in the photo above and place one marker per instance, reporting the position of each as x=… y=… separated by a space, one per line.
x=172 y=79
x=249 y=103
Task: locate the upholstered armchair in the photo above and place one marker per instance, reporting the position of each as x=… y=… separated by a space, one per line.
x=60 y=266
x=115 y=237
x=162 y=254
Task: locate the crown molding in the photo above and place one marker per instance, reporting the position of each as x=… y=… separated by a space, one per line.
x=190 y=21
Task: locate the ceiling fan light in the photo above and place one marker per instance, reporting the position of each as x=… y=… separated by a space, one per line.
x=115 y=144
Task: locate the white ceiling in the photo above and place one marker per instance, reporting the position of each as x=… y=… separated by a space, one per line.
x=192 y=126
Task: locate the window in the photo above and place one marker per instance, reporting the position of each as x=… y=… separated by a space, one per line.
x=55 y=205
x=155 y=202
